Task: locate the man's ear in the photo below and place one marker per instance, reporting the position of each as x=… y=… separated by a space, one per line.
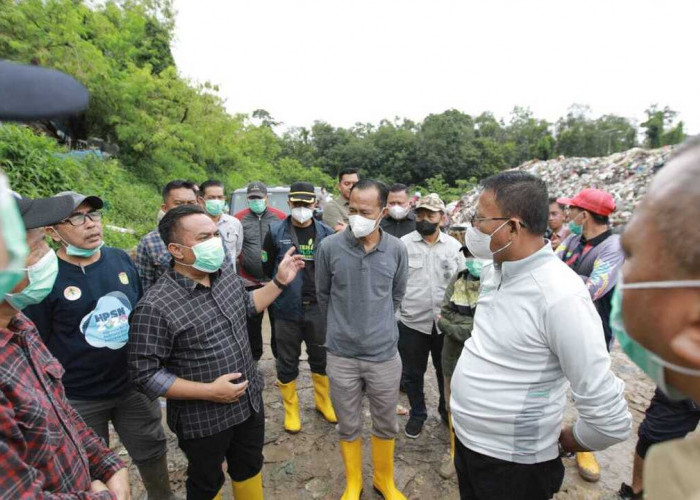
x=163 y=207
x=686 y=345
x=176 y=251
x=52 y=233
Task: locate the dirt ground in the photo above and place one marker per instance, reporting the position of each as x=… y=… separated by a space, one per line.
x=308 y=465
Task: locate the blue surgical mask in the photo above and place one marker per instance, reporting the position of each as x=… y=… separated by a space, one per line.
x=649 y=362
x=42 y=277
x=74 y=251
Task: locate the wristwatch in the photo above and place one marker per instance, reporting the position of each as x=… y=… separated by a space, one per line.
x=278 y=283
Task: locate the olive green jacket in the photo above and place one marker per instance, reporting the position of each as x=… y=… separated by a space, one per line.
x=457 y=317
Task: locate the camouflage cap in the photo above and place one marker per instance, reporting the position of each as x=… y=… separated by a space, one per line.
x=431 y=202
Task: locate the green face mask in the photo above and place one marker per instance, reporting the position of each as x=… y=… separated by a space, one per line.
x=650 y=363
x=42 y=276
x=474 y=266
x=209 y=255
x=256 y=206
x=215 y=207
x=15 y=238
x=576 y=229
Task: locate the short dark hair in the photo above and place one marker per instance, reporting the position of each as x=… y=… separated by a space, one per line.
x=170 y=223
x=599 y=219
x=209 y=183
x=523 y=195
x=398 y=187
x=381 y=188
x=347 y=171
x=178 y=184
x=553 y=199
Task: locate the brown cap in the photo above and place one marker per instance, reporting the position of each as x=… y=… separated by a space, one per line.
x=431 y=202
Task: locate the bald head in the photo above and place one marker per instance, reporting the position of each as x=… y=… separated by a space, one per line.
x=672 y=201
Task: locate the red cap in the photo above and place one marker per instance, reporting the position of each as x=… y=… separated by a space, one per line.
x=594 y=200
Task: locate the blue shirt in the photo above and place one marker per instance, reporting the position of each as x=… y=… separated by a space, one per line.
x=84 y=322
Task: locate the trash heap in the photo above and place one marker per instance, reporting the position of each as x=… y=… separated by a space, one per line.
x=625 y=175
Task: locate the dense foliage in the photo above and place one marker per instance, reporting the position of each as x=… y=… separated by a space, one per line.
x=166 y=127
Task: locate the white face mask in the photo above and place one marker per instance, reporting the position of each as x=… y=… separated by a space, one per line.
x=362 y=226
x=398 y=212
x=302 y=214
x=479 y=244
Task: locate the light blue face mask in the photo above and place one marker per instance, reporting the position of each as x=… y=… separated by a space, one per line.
x=649 y=362
x=209 y=255
x=74 y=251
x=257 y=206
x=215 y=207
x=474 y=266
x=14 y=238
x=575 y=228
x=42 y=277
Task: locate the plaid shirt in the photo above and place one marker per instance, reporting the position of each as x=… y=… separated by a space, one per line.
x=183 y=329
x=46 y=450
x=152 y=259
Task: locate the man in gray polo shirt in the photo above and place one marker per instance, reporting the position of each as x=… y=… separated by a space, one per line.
x=361 y=279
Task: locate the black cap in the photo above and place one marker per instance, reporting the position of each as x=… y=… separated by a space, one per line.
x=40 y=212
x=32 y=93
x=78 y=199
x=302 y=191
x=256 y=188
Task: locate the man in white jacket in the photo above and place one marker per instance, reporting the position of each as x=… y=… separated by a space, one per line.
x=535 y=332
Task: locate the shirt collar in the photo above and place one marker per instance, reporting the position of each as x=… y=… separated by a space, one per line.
x=598 y=239
x=526 y=265
x=18 y=325
x=416 y=236
x=381 y=246
x=188 y=283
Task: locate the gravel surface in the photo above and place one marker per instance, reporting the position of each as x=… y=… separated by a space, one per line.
x=308 y=465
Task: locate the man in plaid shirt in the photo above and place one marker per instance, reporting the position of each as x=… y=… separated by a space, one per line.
x=46 y=450
x=190 y=344
x=152 y=258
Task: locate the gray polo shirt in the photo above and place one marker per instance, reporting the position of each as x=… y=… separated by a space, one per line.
x=359 y=294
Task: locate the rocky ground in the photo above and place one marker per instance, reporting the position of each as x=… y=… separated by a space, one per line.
x=308 y=465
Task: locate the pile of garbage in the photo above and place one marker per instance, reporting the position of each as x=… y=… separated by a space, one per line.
x=625 y=175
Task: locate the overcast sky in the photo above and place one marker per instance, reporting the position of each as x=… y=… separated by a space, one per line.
x=363 y=60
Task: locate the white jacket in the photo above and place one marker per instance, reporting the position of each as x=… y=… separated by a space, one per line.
x=535 y=328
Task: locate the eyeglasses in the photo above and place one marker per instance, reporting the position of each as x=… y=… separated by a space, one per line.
x=474 y=219
x=79 y=219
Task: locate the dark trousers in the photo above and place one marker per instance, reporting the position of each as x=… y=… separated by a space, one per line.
x=666 y=419
x=241 y=446
x=487 y=478
x=414 y=348
x=135 y=418
x=255 y=339
x=311 y=329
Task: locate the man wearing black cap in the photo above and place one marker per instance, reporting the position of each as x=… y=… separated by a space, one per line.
x=297 y=316
x=45 y=447
x=84 y=322
x=256 y=220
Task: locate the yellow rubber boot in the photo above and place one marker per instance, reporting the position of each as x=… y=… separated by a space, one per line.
x=448 y=471
x=351 y=452
x=323 y=399
x=250 y=489
x=292 y=423
x=383 y=460
x=588 y=467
